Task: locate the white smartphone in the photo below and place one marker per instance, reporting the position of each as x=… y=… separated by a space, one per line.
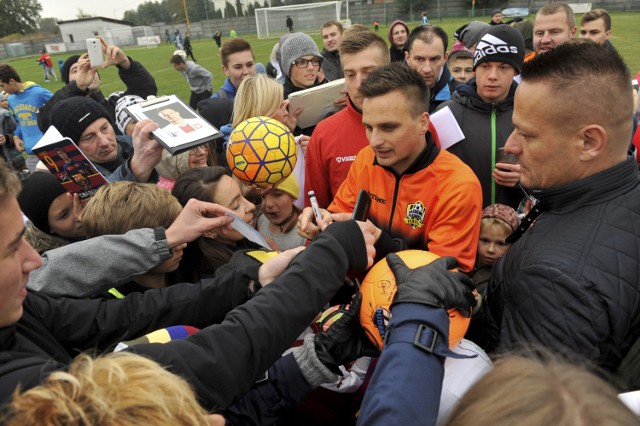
x=94 y=48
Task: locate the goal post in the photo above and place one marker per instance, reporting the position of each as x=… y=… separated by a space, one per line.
x=308 y=17
x=132 y=36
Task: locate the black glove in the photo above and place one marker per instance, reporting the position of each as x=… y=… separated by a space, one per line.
x=433 y=284
x=345 y=340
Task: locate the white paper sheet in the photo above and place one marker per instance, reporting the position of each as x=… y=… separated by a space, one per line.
x=449 y=132
x=245 y=229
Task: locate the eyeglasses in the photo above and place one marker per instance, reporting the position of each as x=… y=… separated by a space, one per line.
x=195 y=149
x=304 y=63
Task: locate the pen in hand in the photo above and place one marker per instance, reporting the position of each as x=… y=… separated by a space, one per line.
x=315 y=207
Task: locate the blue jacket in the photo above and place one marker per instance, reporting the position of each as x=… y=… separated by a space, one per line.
x=25 y=105
x=406 y=386
x=441 y=91
x=228 y=90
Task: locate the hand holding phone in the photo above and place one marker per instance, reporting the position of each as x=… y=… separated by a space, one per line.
x=94 y=49
x=361 y=209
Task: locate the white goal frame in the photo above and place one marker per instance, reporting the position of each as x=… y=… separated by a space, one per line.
x=270 y=21
x=133 y=36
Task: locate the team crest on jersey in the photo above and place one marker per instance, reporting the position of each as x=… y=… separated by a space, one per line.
x=415 y=215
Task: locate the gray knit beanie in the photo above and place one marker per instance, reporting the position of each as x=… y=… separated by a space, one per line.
x=473 y=33
x=296 y=46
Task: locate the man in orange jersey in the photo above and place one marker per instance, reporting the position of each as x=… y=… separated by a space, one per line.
x=421 y=197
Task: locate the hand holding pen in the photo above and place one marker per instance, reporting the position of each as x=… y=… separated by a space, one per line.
x=313 y=219
x=315 y=207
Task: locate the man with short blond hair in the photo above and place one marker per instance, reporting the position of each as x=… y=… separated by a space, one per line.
x=555 y=24
x=337 y=139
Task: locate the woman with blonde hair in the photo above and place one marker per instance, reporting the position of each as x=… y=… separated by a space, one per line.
x=260 y=95
x=117 y=389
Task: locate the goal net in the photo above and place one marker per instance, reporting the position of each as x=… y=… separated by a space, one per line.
x=271 y=22
x=141 y=36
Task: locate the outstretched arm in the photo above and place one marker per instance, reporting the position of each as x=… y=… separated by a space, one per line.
x=89 y=267
x=224 y=360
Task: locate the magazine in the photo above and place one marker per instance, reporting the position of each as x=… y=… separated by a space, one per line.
x=318 y=102
x=181 y=128
x=68 y=164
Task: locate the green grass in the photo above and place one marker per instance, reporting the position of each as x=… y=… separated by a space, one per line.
x=169 y=81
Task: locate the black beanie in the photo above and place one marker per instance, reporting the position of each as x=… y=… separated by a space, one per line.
x=501 y=43
x=67 y=67
x=72 y=116
x=39 y=191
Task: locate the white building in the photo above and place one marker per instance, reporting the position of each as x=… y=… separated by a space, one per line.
x=75 y=32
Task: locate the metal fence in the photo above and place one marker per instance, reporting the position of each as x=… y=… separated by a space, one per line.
x=359 y=13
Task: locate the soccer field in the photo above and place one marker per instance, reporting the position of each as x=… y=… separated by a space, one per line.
x=169 y=81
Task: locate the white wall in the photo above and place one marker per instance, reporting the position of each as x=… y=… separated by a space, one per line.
x=85 y=29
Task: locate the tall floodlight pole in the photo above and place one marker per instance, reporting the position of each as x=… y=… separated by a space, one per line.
x=186 y=14
x=206 y=13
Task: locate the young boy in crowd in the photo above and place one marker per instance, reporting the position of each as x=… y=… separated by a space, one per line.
x=460 y=63
x=497 y=223
x=122 y=206
x=25 y=98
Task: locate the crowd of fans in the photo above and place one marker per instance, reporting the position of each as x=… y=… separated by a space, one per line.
x=144 y=305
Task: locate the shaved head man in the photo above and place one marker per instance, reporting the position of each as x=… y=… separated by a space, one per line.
x=577 y=249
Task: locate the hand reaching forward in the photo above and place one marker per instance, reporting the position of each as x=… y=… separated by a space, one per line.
x=433 y=284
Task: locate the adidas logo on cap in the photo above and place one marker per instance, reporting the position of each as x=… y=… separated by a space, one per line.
x=492 y=45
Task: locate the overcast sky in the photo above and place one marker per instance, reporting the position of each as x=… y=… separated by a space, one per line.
x=64 y=10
